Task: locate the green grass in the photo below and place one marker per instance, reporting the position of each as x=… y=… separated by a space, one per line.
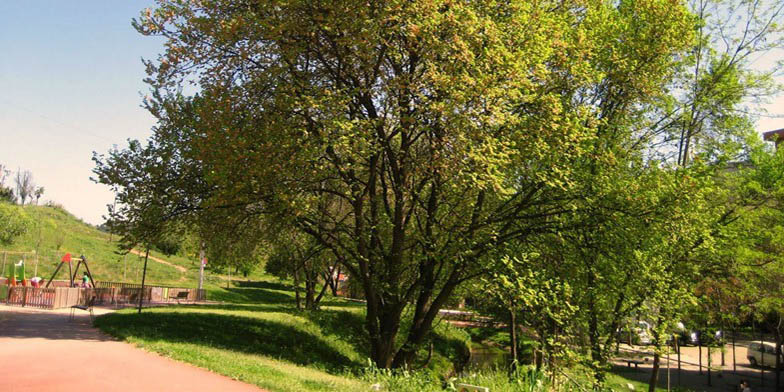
x=261 y=338
x=54 y=231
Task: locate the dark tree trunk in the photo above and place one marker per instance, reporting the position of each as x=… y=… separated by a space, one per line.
x=513 y=336
x=424 y=314
x=144 y=275
x=656 y=359
x=296 y=289
x=317 y=301
x=655 y=371
x=778 y=355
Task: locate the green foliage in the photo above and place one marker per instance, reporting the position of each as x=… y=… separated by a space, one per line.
x=412 y=139
x=13 y=223
x=525 y=379
x=7 y=194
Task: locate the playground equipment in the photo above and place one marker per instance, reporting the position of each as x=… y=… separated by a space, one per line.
x=71 y=273
x=16 y=271
x=8 y=258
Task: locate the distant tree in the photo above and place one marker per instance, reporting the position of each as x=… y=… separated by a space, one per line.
x=39 y=191
x=25 y=187
x=6 y=193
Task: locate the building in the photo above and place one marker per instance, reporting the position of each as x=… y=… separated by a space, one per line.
x=777 y=136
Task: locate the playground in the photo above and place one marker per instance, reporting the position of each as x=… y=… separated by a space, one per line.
x=79 y=357
x=17 y=290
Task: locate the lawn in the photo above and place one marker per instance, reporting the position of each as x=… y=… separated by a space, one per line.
x=262 y=339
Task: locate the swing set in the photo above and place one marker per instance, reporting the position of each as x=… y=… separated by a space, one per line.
x=72 y=272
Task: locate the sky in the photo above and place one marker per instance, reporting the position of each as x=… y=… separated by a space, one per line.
x=71 y=82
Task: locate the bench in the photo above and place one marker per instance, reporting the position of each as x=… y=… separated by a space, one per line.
x=471 y=388
x=636 y=363
x=182 y=295
x=88 y=307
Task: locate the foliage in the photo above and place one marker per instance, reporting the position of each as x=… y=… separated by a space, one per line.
x=411 y=139
x=13 y=223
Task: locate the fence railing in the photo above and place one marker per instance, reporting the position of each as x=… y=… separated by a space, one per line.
x=64 y=297
x=39 y=297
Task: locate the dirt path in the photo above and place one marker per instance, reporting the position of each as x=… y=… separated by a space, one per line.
x=161 y=261
x=722 y=378
x=43 y=351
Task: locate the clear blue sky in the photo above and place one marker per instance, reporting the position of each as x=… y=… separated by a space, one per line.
x=71 y=83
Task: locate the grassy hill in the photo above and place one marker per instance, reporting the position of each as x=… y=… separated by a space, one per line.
x=54 y=231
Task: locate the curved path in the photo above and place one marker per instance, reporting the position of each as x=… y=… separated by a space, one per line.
x=161 y=261
x=44 y=351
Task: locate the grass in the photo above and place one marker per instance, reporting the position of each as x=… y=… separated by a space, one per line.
x=54 y=231
x=261 y=338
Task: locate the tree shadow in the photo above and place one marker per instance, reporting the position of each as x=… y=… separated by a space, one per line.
x=341 y=324
x=693 y=380
x=262 y=285
x=230 y=332
x=344 y=325
x=253 y=295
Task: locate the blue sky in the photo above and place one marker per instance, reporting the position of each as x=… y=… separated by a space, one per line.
x=71 y=83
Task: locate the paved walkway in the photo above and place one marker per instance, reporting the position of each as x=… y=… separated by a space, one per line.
x=723 y=378
x=44 y=351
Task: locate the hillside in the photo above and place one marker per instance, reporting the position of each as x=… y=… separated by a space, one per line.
x=54 y=231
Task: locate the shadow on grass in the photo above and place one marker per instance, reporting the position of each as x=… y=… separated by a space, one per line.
x=252 y=295
x=262 y=285
x=341 y=324
x=234 y=333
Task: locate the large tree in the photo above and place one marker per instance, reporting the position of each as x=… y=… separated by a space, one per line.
x=436 y=132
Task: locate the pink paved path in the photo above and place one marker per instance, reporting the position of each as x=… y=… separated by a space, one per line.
x=42 y=351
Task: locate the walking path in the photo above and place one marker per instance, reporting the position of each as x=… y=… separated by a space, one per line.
x=722 y=378
x=41 y=350
x=161 y=261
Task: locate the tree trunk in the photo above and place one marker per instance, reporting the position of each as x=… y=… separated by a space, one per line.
x=778 y=355
x=656 y=359
x=144 y=275
x=296 y=289
x=310 y=292
x=513 y=336
x=655 y=371
x=424 y=314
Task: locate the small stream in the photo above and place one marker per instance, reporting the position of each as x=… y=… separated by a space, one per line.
x=487 y=357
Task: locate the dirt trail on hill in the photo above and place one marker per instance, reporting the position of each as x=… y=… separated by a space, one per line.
x=161 y=261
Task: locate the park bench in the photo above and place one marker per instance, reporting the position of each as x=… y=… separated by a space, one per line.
x=635 y=362
x=471 y=388
x=88 y=307
x=181 y=296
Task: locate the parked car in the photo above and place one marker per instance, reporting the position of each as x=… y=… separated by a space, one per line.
x=762 y=354
x=687 y=337
x=638 y=334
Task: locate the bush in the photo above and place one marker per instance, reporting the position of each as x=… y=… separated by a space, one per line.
x=525 y=379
